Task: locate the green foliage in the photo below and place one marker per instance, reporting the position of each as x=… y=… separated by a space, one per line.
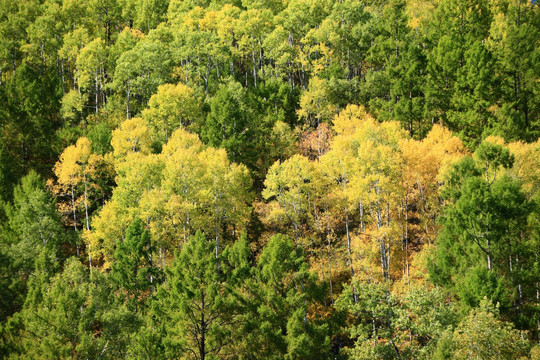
x=100 y=136
x=75 y=317
x=29 y=114
x=8 y=171
x=230 y=123
x=195 y=305
x=116 y=86
x=483 y=335
x=32 y=223
x=385 y=325
x=140 y=71
x=482 y=231
x=133 y=270
x=283 y=291
x=31 y=227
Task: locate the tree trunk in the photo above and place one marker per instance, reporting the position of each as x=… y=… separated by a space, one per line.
x=128 y=93
x=86 y=213
x=349 y=241
x=202 y=344
x=330 y=275
x=97 y=91
x=488 y=253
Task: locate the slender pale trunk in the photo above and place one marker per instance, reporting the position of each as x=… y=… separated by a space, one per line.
x=355 y=296
x=217 y=221
x=86 y=214
x=150 y=261
x=86 y=203
x=185 y=236
x=217 y=244
x=520 y=288
x=488 y=253
x=74 y=215
x=406 y=237
x=162 y=256
x=97 y=91
x=304 y=301
x=384 y=258
x=361 y=209
x=374 y=330
x=254 y=68
x=330 y=275
x=348 y=240
x=128 y=93
x=63 y=78
x=323 y=279
x=74 y=209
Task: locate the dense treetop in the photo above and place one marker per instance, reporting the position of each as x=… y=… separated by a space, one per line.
x=295 y=179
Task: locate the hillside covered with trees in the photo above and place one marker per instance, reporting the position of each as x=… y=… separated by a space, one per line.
x=278 y=179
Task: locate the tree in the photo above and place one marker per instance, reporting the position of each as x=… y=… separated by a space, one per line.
x=73 y=317
x=184 y=189
x=140 y=71
x=173 y=106
x=131 y=137
x=482 y=335
x=385 y=323
x=315 y=103
x=29 y=118
x=426 y=163
x=195 y=303
x=145 y=14
x=483 y=229
x=8 y=171
x=376 y=187
x=138 y=174
x=514 y=48
x=290 y=187
x=32 y=223
x=457 y=92
x=134 y=270
x=73 y=42
x=398 y=51
x=230 y=123
x=206 y=191
x=77 y=166
x=282 y=294
x=30 y=228
x=91 y=69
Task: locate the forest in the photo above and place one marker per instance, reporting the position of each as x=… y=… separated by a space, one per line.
x=270 y=179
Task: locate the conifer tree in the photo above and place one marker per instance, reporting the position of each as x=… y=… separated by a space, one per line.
x=134 y=270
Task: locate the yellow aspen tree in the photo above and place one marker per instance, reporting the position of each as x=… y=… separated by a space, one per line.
x=67 y=173
x=227 y=192
x=340 y=165
x=132 y=136
x=425 y=163
x=300 y=198
x=527 y=165
x=289 y=184
x=173 y=106
x=76 y=167
x=138 y=174
x=376 y=184
x=315 y=104
x=185 y=188
x=91 y=69
x=182 y=181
